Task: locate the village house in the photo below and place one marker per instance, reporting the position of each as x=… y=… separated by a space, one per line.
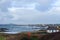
x=52 y=29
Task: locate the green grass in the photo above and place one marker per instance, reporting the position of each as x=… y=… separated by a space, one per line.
x=2 y=38
x=34 y=38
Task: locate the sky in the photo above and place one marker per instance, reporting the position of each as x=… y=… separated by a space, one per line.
x=30 y=11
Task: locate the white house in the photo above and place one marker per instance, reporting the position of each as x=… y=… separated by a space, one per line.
x=52 y=29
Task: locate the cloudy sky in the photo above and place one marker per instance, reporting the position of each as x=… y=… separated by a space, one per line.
x=30 y=11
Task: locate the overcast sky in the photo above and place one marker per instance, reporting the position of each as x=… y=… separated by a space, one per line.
x=30 y=11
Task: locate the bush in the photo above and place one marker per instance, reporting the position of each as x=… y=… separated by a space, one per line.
x=34 y=38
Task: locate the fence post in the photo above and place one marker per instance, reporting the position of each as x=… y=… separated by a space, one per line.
x=29 y=34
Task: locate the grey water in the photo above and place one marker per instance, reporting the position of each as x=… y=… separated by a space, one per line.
x=16 y=29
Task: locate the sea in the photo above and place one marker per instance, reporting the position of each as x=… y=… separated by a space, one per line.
x=18 y=29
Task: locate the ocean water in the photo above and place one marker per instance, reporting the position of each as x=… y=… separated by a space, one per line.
x=16 y=29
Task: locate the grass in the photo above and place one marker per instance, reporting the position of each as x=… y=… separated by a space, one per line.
x=8 y=37
x=2 y=38
x=34 y=38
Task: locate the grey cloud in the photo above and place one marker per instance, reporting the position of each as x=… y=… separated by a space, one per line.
x=29 y=16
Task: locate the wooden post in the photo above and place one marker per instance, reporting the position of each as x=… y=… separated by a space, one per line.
x=29 y=34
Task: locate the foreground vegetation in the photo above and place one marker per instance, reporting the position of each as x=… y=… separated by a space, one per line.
x=32 y=36
x=2 y=38
x=20 y=36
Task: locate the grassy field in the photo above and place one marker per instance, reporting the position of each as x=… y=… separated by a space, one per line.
x=20 y=36
x=2 y=38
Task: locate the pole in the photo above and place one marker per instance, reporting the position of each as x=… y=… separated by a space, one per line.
x=29 y=34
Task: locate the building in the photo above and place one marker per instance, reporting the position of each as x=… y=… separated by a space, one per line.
x=52 y=29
